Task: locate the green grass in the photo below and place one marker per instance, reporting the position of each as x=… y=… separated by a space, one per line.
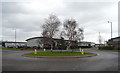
x=59 y=54
x=15 y=49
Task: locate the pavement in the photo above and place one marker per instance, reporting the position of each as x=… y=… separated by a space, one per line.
x=14 y=61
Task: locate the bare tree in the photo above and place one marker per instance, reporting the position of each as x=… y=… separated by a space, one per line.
x=69 y=26
x=79 y=35
x=71 y=32
x=50 y=27
x=38 y=41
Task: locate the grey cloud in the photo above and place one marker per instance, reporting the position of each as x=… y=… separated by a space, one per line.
x=87 y=6
x=12 y=7
x=89 y=15
x=73 y=8
x=86 y=12
x=119 y=18
x=25 y=22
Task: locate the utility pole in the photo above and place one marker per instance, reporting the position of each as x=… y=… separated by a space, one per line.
x=15 y=38
x=100 y=40
x=15 y=35
x=111 y=28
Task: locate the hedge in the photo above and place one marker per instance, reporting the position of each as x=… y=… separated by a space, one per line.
x=106 y=48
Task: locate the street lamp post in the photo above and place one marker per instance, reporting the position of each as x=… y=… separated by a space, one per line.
x=99 y=39
x=15 y=38
x=111 y=28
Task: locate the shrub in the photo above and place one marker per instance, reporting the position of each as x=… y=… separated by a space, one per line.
x=85 y=46
x=105 y=48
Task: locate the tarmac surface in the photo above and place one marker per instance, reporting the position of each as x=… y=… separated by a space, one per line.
x=0 y=60
x=14 y=61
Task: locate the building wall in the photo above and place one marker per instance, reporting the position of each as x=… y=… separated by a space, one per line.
x=115 y=43
x=35 y=42
x=11 y=44
x=86 y=44
x=32 y=43
x=46 y=43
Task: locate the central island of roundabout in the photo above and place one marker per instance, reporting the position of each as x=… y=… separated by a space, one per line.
x=59 y=54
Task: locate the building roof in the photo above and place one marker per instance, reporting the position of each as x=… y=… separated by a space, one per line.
x=39 y=37
x=59 y=39
x=46 y=37
x=114 y=38
x=33 y=38
x=87 y=42
x=11 y=42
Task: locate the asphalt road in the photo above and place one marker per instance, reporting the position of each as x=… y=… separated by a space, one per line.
x=105 y=61
x=0 y=60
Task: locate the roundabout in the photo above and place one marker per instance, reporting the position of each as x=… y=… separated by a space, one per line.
x=59 y=54
x=15 y=61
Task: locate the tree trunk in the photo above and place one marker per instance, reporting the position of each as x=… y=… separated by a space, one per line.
x=61 y=50
x=51 y=48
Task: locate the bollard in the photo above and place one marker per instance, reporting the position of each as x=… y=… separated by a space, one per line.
x=82 y=52
x=35 y=51
x=51 y=49
x=67 y=48
x=80 y=49
x=44 y=49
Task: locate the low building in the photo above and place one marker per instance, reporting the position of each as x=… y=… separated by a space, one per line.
x=41 y=42
x=114 y=42
x=9 y=44
x=99 y=45
x=33 y=42
x=44 y=42
x=85 y=43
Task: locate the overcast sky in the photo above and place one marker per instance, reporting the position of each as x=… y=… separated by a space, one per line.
x=27 y=17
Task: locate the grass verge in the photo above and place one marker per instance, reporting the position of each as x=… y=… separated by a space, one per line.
x=59 y=54
x=15 y=49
